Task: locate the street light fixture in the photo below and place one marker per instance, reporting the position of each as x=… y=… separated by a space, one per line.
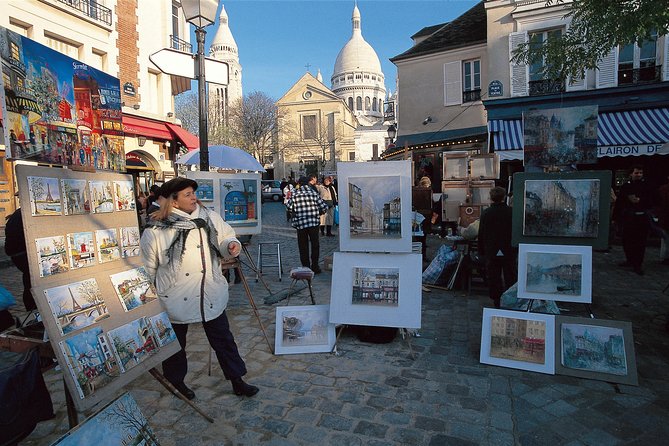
x=201 y=13
x=392 y=132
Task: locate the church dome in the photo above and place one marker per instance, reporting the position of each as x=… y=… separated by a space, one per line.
x=357 y=54
x=223 y=41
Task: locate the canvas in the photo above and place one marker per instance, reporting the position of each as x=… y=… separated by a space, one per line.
x=130 y=241
x=90 y=361
x=106 y=241
x=595 y=349
x=381 y=290
x=102 y=196
x=303 y=329
x=560 y=136
x=375 y=206
x=455 y=166
x=484 y=166
x=562 y=208
x=205 y=190
x=76 y=305
x=82 y=249
x=162 y=329
x=52 y=255
x=133 y=343
x=119 y=423
x=453 y=194
x=133 y=287
x=555 y=272
x=45 y=196
x=75 y=196
x=124 y=196
x=518 y=340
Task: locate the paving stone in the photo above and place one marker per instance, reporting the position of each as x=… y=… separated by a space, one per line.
x=280 y=427
x=442 y=440
x=371 y=429
x=335 y=422
x=345 y=440
x=430 y=424
x=406 y=436
x=599 y=437
x=501 y=420
x=395 y=419
x=361 y=412
x=560 y=408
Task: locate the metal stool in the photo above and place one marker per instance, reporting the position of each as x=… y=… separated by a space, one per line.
x=268 y=252
x=302 y=273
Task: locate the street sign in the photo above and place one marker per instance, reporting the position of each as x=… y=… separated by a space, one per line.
x=177 y=63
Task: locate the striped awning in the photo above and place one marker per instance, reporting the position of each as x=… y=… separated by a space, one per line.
x=506 y=134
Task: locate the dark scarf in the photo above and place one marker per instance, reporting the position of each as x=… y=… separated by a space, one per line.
x=183 y=226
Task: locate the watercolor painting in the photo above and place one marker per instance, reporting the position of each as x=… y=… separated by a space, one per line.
x=162 y=329
x=375 y=207
x=107 y=245
x=76 y=305
x=593 y=348
x=82 y=249
x=133 y=343
x=120 y=423
x=124 y=196
x=239 y=201
x=562 y=208
x=90 y=360
x=518 y=339
x=45 y=196
x=51 y=255
x=205 y=190
x=376 y=286
x=133 y=287
x=75 y=196
x=129 y=241
x=102 y=196
x=303 y=329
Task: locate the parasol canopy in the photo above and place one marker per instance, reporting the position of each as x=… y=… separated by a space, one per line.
x=224 y=157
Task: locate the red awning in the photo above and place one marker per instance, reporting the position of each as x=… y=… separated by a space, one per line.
x=145 y=127
x=187 y=138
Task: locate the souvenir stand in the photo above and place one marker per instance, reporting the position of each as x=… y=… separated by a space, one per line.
x=558 y=218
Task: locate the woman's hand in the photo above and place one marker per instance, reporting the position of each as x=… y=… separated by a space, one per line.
x=234 y=248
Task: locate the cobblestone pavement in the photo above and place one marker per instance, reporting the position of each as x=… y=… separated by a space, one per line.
x=377 y=395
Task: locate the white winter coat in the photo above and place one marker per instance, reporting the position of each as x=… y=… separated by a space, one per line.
x=183 y=298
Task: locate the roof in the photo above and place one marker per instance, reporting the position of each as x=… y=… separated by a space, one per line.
x=428 y=30
x=468 y=29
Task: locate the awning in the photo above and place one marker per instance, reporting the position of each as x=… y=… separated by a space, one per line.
x=187 y=138
x=134 y=125
x=507 y=134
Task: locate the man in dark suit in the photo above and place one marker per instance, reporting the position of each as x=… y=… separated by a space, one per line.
x=495 y=245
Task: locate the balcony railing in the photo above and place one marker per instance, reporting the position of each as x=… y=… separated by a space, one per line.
x=180 y=45
x=471 y=95
x=546 y=86
x=644 y=75
x=92 y=9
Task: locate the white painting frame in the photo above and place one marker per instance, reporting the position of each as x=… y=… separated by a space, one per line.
x=486 y=357
x=399 y=169
x=312 y=313
x=574 y=288
x=407 y=312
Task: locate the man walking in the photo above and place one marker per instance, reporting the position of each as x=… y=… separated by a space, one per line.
x=635 y=201
x=306 y=207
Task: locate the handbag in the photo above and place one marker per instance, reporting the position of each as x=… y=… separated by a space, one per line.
x=336 y=214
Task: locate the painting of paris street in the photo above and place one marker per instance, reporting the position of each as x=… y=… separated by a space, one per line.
x=594 y=348
x=51 y=255
x=162 y=329
x=76 y=305
x=107 y=245
x=376 y=286
x=90 y=361
x=75 y=196
x=518 y=339
x=124 y=196
x=554 y=273
x=102 y=196
x=562 y=208
x=133 y=343
x=44 y=196
x=133 y=287
x=130 y=241
x=560 y=137
x=375 y=207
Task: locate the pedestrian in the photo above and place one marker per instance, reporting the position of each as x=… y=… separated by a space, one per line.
x=287 y=191
x=663 y=221
x=634 y=200
x=495 y=245
x=329 y=195
x=306 y=206
x=154 y=193
x=182 y=247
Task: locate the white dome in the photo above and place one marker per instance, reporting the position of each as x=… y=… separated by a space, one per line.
x=223 y=42
x=357 y=54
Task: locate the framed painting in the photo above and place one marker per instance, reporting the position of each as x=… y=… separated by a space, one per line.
x=82 y=249
x=162 y=329
x=303 y=329
x=381 y=290
x=518 y=340
x=480 y=191
x=484 y=166
x=562 y=208
x=106 y=241
x=456 y=166
x=595 y=349
x=205 y=190
x=555 y=272
x=102 y=196
x=129 y=241
x=375 y=206
x=133 y=288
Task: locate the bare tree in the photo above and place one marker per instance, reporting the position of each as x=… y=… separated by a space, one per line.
x=253 y=121
x=186 y=108
x=126 y=414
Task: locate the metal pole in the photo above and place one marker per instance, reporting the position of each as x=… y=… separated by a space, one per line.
x=202 y=100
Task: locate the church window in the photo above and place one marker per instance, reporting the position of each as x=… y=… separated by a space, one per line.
x=358 y=103
x=351 y=156
x=309 y=130
x=350 y=77
x=358 y=76
x=350 y=103
x=368 y=103
x=373 y=78
x=374 y=104
x=366 y=76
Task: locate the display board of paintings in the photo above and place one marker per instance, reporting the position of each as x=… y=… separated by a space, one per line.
x=375 y=206
x=380 y=290
x=99 y=308
x=235 y=196
x=563 y=208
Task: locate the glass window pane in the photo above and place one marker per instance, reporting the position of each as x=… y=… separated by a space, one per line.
x=626 y=54
x=477 y=81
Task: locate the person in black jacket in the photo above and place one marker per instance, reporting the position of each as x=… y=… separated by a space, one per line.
x=495 y=245
x=633 y=206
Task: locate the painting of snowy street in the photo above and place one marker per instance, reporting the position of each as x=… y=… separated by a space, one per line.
x=375 y=207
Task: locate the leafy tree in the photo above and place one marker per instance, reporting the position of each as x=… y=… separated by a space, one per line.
x=596 y=27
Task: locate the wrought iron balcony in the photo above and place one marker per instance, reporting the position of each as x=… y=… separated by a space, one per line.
x=644 y=75
x=180 y=45
x=471 y=95
x=546 y=86
x=92 y=9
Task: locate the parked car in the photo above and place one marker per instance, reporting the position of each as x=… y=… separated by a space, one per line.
x=271 y=190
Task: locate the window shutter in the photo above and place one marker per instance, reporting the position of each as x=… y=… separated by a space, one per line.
x=607 y=70
x=520 y=73
x=452 y=83
x=665 y=63
x=580 y=83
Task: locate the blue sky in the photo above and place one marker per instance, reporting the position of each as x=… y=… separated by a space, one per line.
x=277 y=38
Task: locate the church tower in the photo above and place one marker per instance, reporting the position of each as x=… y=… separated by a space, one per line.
x=221 y=97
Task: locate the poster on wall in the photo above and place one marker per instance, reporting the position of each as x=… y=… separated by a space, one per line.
x=70 y=115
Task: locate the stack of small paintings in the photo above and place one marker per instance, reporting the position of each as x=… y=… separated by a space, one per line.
x=133 y=287
x=303 y=329
x=76 y=305
x=52 y=255
x=133 y=343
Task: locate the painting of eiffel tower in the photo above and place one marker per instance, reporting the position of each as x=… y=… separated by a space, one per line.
x=45 y=198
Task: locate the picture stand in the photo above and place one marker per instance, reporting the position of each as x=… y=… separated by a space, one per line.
x=587 y=308
x=406 y=335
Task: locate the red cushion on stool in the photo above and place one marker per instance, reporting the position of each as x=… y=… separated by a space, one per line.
x=301 y=273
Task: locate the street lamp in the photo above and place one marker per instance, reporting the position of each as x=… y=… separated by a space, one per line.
x=201 y=13
x=392 y=132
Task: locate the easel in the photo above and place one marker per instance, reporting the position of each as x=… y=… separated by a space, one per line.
x=251 y=264
x=403 y=331
x=587 y=307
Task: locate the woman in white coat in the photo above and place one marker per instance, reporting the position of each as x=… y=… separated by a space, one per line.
x=181 y=247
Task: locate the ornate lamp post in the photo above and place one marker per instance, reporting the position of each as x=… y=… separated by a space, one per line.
x=392 y=132
x=201 y=13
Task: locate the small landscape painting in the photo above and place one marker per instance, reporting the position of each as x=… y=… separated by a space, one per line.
x=593 y=348
x=82 y=249
x=75 y=196
x=376 y=286
x=133 y=343
x=239 y=201
x=102 y=196
x=518 y=339
x=554 y=273
x=162 y=329
x=52 y=255
x=45 y=196
x=133 y=287
x=375 y=207
x=303 y=329
x=130 y=241
x=76 y=305
x=124 y=196
x=205 y=190
x=107 y=244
